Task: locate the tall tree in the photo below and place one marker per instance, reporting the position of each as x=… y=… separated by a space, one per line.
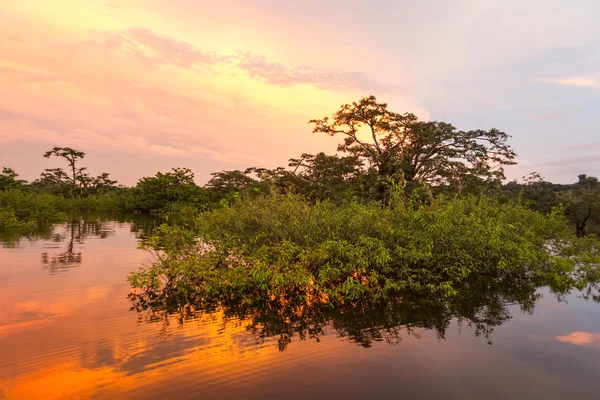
x=402 y=148
x=77 y=180
x=72 y=156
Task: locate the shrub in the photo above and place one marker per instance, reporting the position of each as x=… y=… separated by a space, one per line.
x=282 y=246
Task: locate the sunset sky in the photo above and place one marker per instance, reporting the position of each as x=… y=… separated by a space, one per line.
x=146 y=85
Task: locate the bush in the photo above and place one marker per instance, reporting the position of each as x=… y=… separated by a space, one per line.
x=166 y=192
x=24 y=212
x=282 y=246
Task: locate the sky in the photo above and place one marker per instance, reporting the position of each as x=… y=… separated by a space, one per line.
x=146 y=85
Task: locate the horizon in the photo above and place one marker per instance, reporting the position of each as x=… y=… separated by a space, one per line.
x=146 y=86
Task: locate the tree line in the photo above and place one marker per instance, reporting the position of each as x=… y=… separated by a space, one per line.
x=380 y=150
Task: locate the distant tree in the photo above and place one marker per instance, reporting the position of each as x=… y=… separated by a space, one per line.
x=316 y=176
x=8 y=179
x=539 y=194
x=321 y=176
x=400 y=147
x=103 y=181
x=254 y=181
x=170 y=189
x=590 y=182
x=227 y=182
x=55 y=181
x=76 y=181
x=72 y=156
x=583 y=203
x=278 y=179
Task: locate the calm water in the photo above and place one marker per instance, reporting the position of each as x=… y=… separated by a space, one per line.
x=67 y=331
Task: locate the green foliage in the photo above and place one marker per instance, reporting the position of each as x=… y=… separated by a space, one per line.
x=225 y=184
x=482 y=305
x=321 y=176
x=400 y=147
x=8 y=179
x=284 y=246
x=166 y=192
x=581 y=200
x=23 y=212
x=583 y=204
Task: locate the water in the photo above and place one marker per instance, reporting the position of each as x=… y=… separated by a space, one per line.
x=67 y=331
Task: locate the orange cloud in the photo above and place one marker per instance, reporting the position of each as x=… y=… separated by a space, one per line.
x=576 y=81
x=580 y=338
x=129 y=83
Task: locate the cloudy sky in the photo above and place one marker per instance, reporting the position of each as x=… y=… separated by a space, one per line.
x=146 y=85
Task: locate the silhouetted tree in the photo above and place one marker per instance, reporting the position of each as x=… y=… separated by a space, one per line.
x=75 y=182
x=400 y=147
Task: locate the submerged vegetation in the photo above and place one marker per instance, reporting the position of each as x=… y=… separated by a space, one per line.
x=283 y=246
x=417 y=209
x=483 y=306
x=407 y=208
x=480 y=303
x=380 y=149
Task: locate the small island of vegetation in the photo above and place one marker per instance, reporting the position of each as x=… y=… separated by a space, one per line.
x=406 y=208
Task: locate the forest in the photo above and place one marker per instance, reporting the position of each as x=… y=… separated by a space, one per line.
x=404 y=206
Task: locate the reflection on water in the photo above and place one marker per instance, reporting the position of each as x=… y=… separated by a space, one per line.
x=74 y=233
x=481 y=307
x=71 y=237
x=70 y=334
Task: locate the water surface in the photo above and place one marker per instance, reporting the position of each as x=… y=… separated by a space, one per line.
x=67 y=331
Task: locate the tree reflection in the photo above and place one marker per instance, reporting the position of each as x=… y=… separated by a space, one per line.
x=71 y=237
x=74 y=235
x=480 y=305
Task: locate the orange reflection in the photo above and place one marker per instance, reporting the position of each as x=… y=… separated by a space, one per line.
x=218 y=353
x=580 y=338
x=71 y=335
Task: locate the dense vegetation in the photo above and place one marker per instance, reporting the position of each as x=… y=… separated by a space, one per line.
x=284 y=246
x=380 y=149
x=480 y=303
x=407 y=206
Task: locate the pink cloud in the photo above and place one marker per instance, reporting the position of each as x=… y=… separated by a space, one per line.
x=579 y=81
x=138 y=92
x=156 y=49
x=580 y=338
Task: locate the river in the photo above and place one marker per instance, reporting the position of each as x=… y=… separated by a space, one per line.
x=68 y=331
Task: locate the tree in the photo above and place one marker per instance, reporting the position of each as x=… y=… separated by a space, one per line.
x=539 y=194
x=170 y=189
x=320 y=176
x=8 y=179
x=103 y=181
x=55 y=181
x=402 y=148
x=78 y=181
x=72 y=157
x=583 y=202
x=253 y=181
x=225 y=183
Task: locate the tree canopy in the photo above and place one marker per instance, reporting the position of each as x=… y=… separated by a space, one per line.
x=401 y=147
x=76 y=182
x=8 y=179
